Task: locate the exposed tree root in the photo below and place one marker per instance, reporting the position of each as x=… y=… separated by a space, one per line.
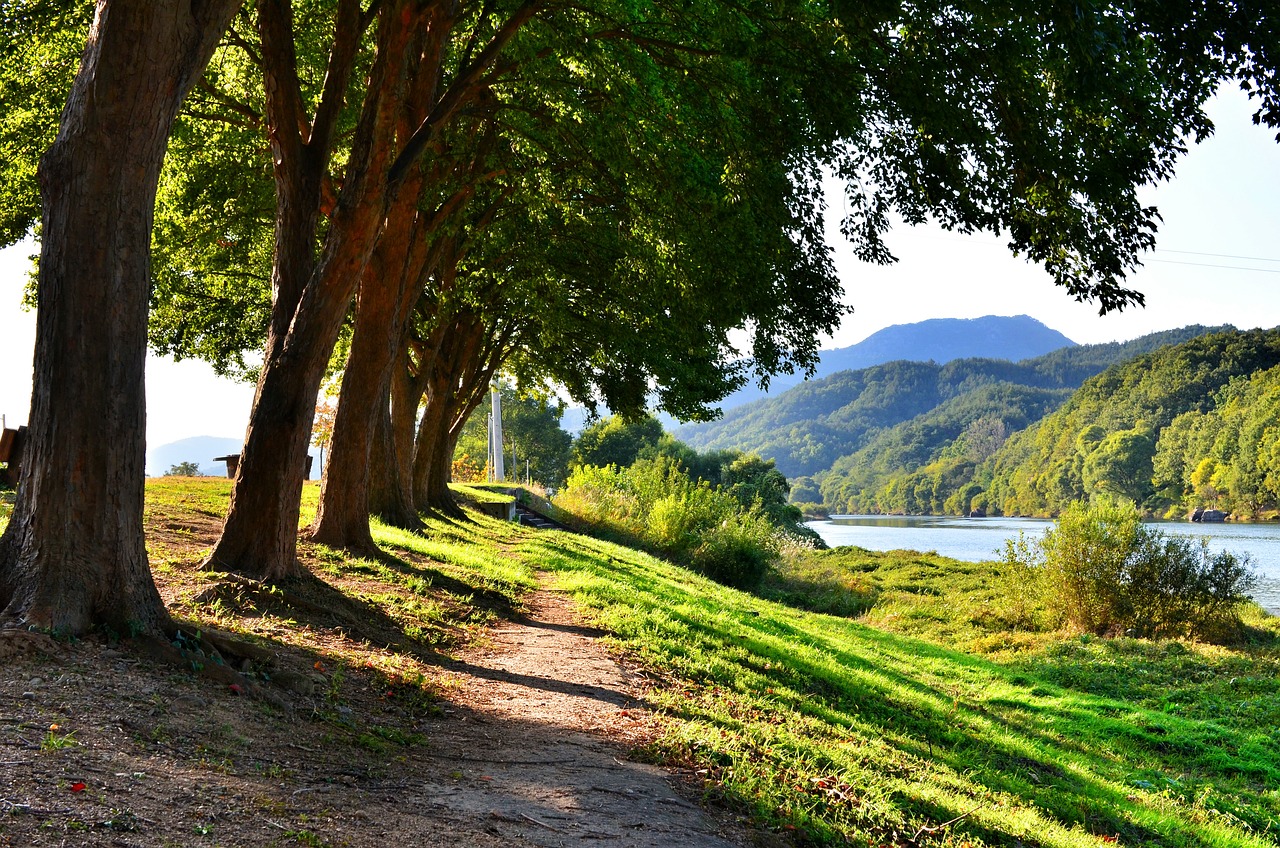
x=18 y=642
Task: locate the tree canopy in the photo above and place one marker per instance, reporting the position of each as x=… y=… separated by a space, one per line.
x=615 y=191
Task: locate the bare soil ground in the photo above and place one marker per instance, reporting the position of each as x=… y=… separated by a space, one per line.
x=529 y=746
x=99 y=747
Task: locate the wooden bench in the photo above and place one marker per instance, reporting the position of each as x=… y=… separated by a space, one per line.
x=12 y=443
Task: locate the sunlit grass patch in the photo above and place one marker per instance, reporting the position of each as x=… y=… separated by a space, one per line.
x=857 y=734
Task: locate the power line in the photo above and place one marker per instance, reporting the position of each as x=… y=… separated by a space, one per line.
x=1211 y=265
x=957 y=239
x=1217 y=255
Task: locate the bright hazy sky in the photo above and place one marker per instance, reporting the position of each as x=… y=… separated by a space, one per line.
x=1217 y=262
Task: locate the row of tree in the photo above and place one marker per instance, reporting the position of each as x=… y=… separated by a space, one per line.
x=594 y=195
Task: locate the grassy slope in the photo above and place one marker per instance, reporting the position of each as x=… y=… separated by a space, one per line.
x=830 y=729
x=850 y=732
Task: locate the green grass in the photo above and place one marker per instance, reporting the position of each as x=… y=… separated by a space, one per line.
x=951 y=721
x=853 y=734
x=975 y=606
x=485 y=492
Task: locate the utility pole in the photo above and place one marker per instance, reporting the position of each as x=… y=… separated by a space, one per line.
x=495 y=433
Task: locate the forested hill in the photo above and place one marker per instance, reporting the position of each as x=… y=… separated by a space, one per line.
x=806 y=429
x=938 y=340
x=1191 y=424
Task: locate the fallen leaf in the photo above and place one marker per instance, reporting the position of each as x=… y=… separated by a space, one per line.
x=77 y=787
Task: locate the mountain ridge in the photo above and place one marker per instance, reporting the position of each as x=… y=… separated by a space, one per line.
x=938 y=340
x=807 y=428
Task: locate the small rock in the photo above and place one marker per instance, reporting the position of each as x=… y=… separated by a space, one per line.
x=294 y=682
x=28 y=696
x=190 y=702
x=34 y=682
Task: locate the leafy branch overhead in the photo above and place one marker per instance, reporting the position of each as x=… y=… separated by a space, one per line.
x=624 y=199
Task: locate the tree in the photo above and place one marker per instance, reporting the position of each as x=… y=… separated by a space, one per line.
x=531 y=428
x=615 y=441
x=1121 y=465
x=73 y=555
x=311 y=292
x=184 y=469
x=753 y=480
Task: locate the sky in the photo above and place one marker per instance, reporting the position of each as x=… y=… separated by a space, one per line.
x=1217 y=261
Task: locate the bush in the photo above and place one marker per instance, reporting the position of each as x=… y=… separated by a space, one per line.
x=1103 y=571
x=467 y=470
x=654 y=505
x=737 y=552
x=6 y=506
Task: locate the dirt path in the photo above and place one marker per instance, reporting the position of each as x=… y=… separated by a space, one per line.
x=530 y=751
x=554 y=714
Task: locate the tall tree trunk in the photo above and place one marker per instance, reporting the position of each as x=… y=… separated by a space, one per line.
x=390 y=285
x=391 y=486
x=259 y=537
x=431 y=430
x=450 y=391
x=73 y=556
x=439 y=471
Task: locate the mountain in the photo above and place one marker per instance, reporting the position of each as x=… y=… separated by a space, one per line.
x=939 y=340
x=807 y=428
x=1188 y=421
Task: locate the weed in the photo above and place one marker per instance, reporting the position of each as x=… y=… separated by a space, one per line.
x=122 y=821
x=335 y=683
x=55 y=741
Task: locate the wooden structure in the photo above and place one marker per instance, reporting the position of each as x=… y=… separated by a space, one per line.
x=12 y=443
x=233 y=462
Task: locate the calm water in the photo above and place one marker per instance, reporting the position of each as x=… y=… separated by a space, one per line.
x=978 y=539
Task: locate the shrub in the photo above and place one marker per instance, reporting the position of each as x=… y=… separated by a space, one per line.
x=1103 y=571
x=6 y=506
x=467 y=470
x=738 y=551
x=654 y=505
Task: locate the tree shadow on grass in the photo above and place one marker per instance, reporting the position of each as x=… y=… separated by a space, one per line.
x=1067 y=753
x=484 y=597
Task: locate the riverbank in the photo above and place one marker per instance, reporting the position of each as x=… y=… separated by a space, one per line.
x=983 y=539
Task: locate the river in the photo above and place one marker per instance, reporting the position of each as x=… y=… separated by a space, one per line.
x=979 y=539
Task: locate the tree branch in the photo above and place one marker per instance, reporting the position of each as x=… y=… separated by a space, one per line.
x=459 y=91
x=349 y=25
